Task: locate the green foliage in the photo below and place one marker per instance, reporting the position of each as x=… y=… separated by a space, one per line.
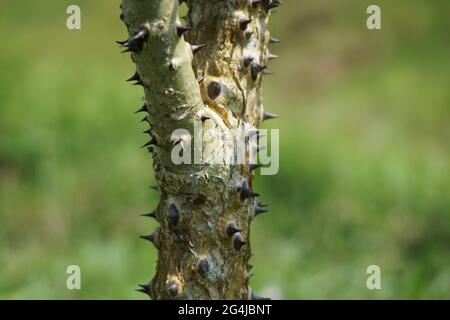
x=364 y=175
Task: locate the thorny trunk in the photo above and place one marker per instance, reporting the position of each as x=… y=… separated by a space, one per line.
x=205 y=209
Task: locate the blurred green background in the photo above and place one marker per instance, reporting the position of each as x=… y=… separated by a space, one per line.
x=364 y=175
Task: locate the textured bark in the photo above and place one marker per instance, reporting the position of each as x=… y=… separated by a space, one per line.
x=206 y=209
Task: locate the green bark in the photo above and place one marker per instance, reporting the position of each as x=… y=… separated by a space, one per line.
x=206 y=209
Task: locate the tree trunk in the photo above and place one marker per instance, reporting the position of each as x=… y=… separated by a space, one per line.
x=213 y=92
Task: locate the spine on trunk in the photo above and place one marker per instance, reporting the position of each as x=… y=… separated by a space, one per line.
x=202 y=75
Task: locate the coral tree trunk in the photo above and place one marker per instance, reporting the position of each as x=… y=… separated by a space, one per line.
x=206 y=208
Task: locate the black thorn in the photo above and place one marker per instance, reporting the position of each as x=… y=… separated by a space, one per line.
x=142 y=291
x=151 y=142
x=173 y=215
x=247 y=61
x=136 y=42
x=149 y=131
x=122 y=43
x=262 y=205
x=150 y=214
x=238 y=241
x=268 y=116
x=142 y=109
x=145 y=119
x=256 y=69
x=243 y=23
x=204 y=117
x=246 y=193
x=272 y=5
x=181 y=29
x=139 y=82
x=144 y=288
x=197 y=48
x=232 y=229
x=135 y=77
x=139 y=37
x=259 y=210
x=150 y=238
x=253 y=167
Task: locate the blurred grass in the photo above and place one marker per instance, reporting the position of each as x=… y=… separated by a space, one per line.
x=364 y=175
